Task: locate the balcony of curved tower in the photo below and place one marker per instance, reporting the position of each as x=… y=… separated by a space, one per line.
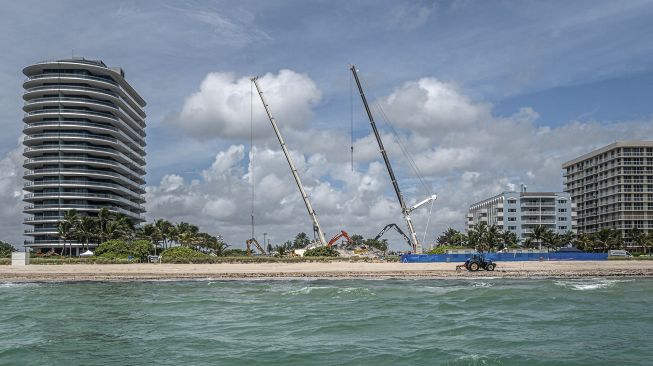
x=84 y=145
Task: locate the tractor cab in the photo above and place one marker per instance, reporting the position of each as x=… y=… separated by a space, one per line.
x=478 y=261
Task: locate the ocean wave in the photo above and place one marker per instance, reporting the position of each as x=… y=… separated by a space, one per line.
x=474 y=360
x=481 y=284
x=18 y=284
x=588 y=285
x=330 y=290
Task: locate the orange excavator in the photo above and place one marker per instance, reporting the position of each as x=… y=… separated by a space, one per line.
x=342 y=234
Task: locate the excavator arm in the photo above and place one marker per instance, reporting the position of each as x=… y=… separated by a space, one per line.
x=249 y=243
x=342 y=234
x=394 y=226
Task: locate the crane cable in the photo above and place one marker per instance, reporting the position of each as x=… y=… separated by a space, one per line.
x=251 y=149
x=402 y=147
x=351 y=118
x=428 y=221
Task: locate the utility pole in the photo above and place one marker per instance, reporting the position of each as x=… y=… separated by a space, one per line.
x=316 y=224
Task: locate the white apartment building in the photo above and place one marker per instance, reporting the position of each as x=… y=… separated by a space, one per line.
x=613 y=187
x=521 y=212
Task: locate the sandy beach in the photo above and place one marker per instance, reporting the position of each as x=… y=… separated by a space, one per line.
x=127 y=272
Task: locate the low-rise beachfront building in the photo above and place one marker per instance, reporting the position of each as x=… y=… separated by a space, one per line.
x=84 y=129
x=613 y=187
x=521 y=212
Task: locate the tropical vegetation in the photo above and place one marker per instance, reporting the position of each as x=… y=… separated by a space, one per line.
x=124 y=238
x=116 y=248
x=484 y=237
x=6 y=249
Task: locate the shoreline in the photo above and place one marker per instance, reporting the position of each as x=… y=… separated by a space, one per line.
x=333 y=270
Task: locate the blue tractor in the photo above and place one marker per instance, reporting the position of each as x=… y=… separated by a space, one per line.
x=478 y=261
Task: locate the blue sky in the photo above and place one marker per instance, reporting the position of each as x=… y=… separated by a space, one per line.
x=555 y=66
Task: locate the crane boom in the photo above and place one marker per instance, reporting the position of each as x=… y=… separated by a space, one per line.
x=316 y=224
x=423 y=202
x=417 y=247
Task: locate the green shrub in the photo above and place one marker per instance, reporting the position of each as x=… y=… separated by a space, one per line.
x=121 y=249
x=234 y=253
x=183 y=255
x=6 y=249
x=5 y=261
x=321 y=252
x=442 y=249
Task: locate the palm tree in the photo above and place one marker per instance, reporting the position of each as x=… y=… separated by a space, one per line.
x=447 y=237
x=477 y=234
x=609 y=238
x=492 y=236
x=539 y=234
x=71 y=219
x=584 y=242
x=638 y=237
x=65 y=232
x=567 y=238
x=552 y=239
x=164 y=227
x=86 y=229
x=173 y=234
x=103 y=219
x=114 y=230
x=151 y=233
x=509 y=238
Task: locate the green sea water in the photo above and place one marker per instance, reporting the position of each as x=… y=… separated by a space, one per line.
x=324 y=322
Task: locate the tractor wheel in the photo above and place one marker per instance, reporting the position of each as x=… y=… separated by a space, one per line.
x=473 y=266
x=490 y=267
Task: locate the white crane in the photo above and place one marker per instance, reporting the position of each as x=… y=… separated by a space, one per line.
x=316 y=224
x=406 y=211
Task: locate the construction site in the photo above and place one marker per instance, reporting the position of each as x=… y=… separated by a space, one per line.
x=342 y=242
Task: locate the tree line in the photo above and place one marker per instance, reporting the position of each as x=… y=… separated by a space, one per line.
x=485 y=238
x=111 y=226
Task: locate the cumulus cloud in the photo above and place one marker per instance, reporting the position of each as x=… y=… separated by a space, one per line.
x=427 y=104
x=463 y=151
x=11 y=205
x=222 y=107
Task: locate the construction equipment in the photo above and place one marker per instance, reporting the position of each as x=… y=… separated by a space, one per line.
x=406 y=211
x=342 y=234
x=396 y=227
x=476 y=262
x=316 y=225
x=258 y=246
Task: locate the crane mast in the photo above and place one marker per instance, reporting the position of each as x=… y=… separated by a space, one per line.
x=316 y=225
x=417 y=247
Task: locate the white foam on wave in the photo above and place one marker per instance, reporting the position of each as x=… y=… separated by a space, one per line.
x=482 y=284
x=306 y=290
x=17 y=284
x=588 y=285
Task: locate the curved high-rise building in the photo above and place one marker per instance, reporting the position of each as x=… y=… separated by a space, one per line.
x=84 y=145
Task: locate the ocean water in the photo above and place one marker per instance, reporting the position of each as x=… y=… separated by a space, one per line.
x=324 y=322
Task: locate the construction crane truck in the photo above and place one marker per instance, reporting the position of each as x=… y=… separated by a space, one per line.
x=319 y=234
x=405 y=210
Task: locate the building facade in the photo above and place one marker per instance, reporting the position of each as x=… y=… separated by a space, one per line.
x=613 y=187
x=521 y=212
x=84 y=128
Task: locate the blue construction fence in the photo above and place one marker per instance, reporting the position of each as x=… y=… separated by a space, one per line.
x=505 y=257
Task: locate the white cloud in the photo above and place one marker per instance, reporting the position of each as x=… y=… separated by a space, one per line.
x=223 y=105
x=465 y=153
x=11 y=199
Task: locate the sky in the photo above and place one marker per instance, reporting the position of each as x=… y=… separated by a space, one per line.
x=472 y=98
